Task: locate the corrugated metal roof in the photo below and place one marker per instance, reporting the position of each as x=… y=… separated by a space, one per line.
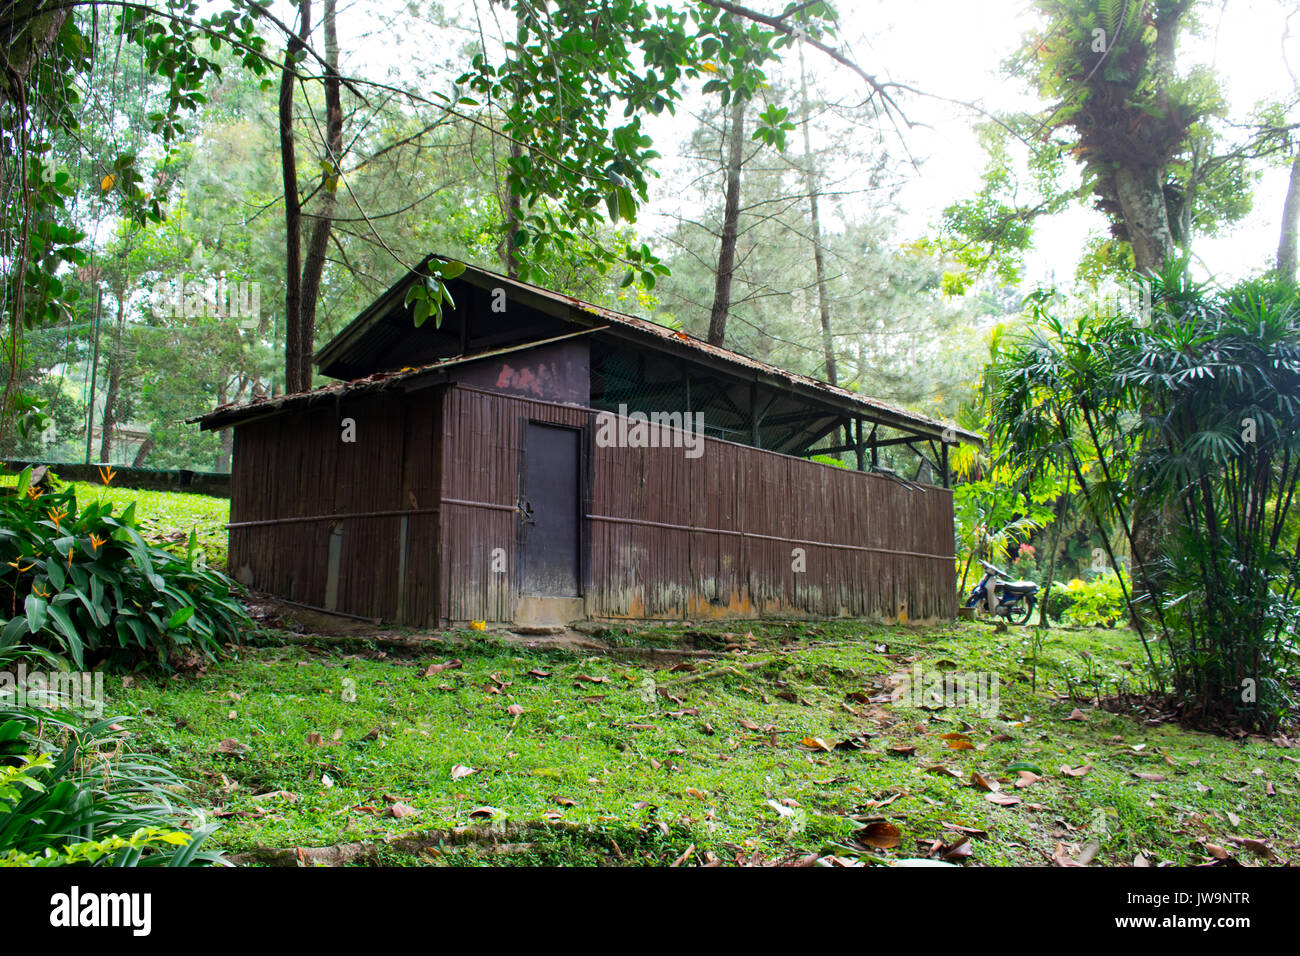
x=230 y=413
x=569 y=308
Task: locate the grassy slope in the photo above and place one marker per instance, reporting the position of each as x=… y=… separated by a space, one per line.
x=656 y=778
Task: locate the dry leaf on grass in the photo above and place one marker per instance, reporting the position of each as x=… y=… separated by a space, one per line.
x=880 y=835
x=439 y=668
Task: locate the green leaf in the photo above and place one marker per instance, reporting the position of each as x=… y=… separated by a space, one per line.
x=180 y=617
x=65 y=626
x=451 y=269
x=36 y=612
x=422 y=310
x=13 y=630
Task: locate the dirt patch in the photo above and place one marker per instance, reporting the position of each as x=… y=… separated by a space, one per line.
x=304 y=625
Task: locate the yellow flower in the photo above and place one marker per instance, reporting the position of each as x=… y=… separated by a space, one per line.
x=106 y=474
x=33 y=492
x=96 y=542
x=57 y=516
x=40 y=593
x=14 y=564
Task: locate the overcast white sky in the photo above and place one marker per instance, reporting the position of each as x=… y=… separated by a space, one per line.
x=951 y=48
x=956 y=49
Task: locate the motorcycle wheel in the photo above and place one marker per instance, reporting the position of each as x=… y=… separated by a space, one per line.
x=1022 y=617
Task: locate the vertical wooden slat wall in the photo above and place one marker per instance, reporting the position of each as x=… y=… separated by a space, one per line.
x=678 y=537
x=330 y=507
x=669 y=536
x=722 y=535
x=481 y=435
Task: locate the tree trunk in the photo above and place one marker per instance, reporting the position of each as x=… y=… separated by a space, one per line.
x=29 y=30
x=1286 y=247
x=314 y=264
x=292 y=209
x=115 y=364
x=819 y=262
x=1146 y=217
x=142 y=452
x=730 y=224
x=227 y=449
x=514 y=212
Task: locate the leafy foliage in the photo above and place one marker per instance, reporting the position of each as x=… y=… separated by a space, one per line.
x=76 y=796
x=1096 y=603
x=85 y=583
x=1203 y=403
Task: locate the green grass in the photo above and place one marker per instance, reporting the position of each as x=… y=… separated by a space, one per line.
x=166 y=516
x=654 y=775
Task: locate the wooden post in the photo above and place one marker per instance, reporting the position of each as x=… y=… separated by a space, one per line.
x=753 y=415
x=857 y=444
x=943 y=463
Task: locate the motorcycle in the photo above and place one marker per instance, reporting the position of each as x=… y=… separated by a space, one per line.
x=1003 y=597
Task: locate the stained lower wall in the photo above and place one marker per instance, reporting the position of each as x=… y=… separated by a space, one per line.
x=669 y=536
x=401 y=524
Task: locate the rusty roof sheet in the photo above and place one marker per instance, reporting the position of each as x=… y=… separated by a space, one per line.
x=232 y=412
x=677 y=337
x=586 y=314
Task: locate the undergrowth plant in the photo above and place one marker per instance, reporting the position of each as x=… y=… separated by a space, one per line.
x=84 y=583
x=78 y=795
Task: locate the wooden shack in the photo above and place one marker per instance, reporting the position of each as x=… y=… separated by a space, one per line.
x=499 y=467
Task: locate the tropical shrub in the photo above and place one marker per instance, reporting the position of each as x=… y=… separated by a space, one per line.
x=1096 y=603
x=85 y=584
x=74 y=795
x=1193 y=418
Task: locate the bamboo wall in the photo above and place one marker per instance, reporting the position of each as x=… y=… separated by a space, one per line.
x=432 y=481
x=675 y=537
x=300 y=492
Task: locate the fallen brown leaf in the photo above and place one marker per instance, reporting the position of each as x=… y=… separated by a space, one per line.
x=880 y=835
x=439 y=668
